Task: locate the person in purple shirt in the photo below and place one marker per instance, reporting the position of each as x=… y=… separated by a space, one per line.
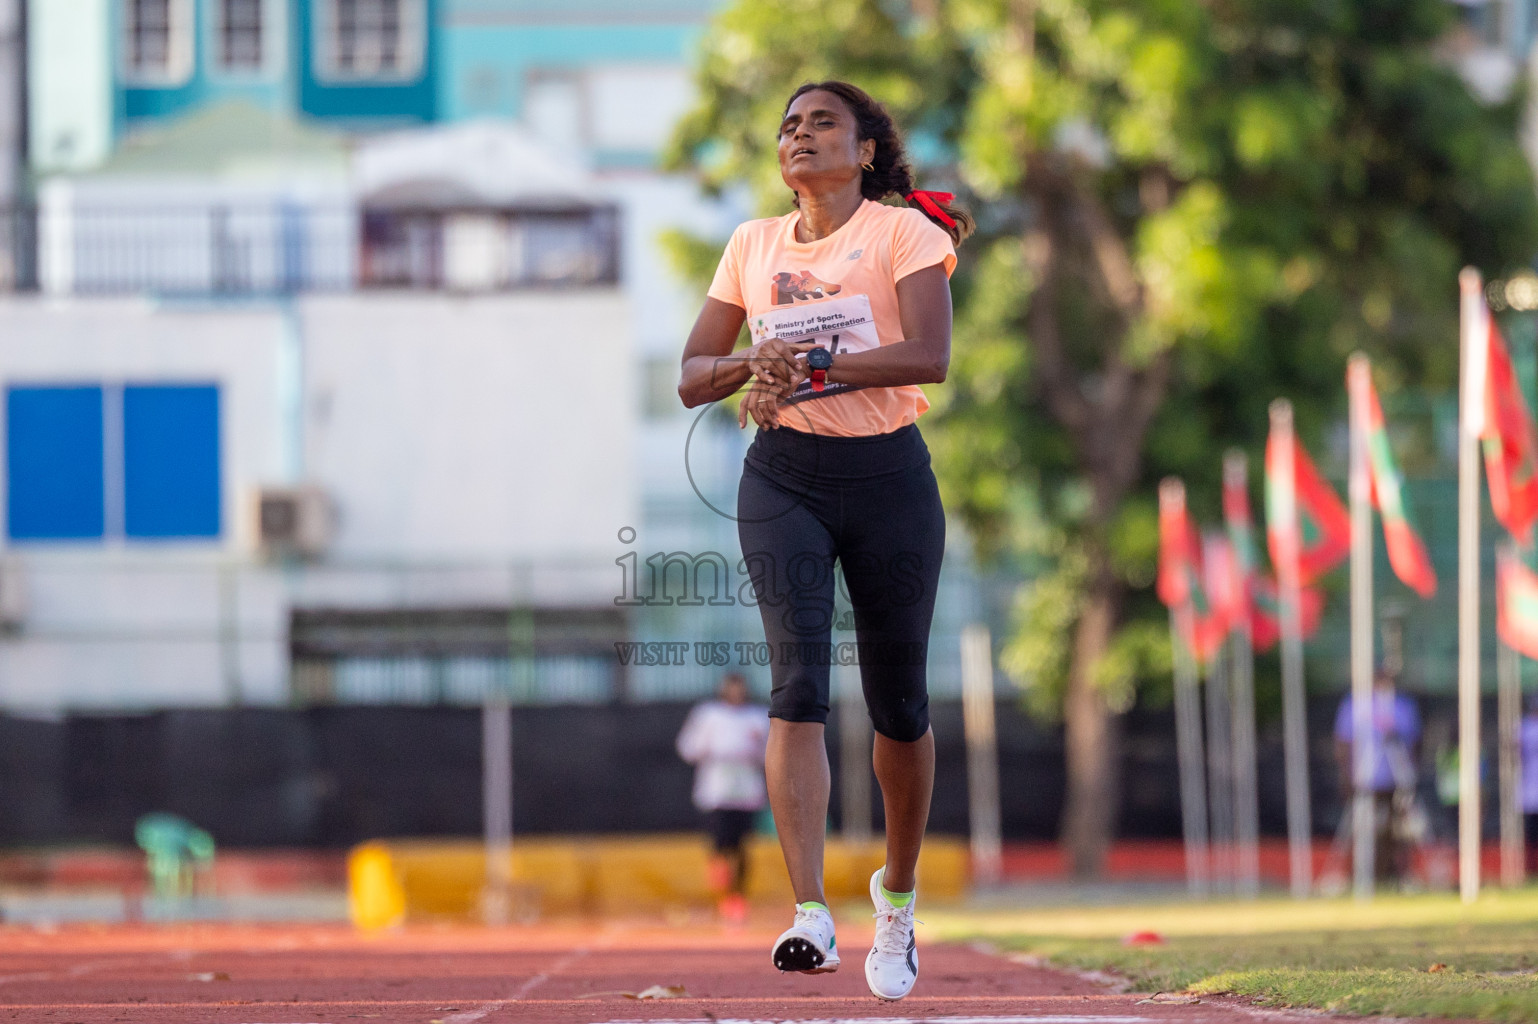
x=1528 y=739
x=1391 y=745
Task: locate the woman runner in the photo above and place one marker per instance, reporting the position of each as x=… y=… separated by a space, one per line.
x=849 y=310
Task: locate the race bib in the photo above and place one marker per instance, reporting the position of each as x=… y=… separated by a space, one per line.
x=839 y=325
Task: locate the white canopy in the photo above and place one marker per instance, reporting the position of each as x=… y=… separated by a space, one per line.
x=478 y=163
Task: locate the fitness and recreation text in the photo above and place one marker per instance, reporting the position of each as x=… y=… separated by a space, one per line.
x=840 y=325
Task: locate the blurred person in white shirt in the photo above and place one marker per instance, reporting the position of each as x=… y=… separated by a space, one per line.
x=725 y=739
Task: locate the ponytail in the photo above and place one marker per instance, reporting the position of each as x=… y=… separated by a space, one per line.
x=939 y=207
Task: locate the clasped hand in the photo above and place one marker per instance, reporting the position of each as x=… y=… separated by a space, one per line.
x=776 y=372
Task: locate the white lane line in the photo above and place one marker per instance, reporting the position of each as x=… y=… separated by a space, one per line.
x=79 y=970
x=521 y=992
x=1051 y=1018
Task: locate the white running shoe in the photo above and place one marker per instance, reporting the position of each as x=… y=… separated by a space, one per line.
x=808 y=945
x=893 y=964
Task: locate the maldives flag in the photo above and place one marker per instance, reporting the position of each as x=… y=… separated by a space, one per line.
x=1178 y=550
x=1266 y=612
x=1323 y=527
x=1511 y=455
x=1406 y=552
x=1225 y=592
x=1183 y=581
x=1516 y=605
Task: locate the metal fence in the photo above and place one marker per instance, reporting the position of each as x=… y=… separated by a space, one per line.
x=250 y=248
x=18 y=248
x=127 y=630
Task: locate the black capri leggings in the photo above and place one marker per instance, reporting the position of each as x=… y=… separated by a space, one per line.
x=871 y=504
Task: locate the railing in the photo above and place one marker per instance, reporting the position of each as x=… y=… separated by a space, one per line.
x=123 y=630
x=18 y=248
x=253 y=249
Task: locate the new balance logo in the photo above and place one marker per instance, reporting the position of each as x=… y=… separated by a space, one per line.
x=854 y=255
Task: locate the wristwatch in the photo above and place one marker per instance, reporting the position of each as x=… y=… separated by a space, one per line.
x=820 y=360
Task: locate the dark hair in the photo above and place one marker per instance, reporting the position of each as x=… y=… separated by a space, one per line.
x=892 y=174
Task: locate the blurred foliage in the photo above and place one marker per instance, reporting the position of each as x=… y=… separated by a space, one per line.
x=1293 y=182
x=1185 y=211
x=693 y=257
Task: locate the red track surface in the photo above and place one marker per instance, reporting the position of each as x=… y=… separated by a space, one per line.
x=543 y=974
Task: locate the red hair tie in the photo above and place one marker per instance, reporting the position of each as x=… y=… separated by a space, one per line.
x=931 y=201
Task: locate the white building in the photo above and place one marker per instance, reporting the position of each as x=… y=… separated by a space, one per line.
x=427 y=345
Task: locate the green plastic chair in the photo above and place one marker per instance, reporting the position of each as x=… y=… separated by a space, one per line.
x=174 y=850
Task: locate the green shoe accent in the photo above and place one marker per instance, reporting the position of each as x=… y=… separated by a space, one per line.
x=812 y=903
x=896 y=899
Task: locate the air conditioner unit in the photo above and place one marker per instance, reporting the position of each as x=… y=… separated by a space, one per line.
x=293 y=521
x=13 y=595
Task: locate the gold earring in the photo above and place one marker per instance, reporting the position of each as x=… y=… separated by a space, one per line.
x=868 y=167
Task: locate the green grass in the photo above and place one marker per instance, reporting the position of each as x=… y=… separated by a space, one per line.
x=1332 y=955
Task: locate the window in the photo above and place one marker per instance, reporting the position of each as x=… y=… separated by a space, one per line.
x=157 y=41
x=171 y=461
x=363 y=39
x=240 y=34
x=633 y=107
x=55 y=488
x=489 y=250
x=88 y=462
x=454 y=655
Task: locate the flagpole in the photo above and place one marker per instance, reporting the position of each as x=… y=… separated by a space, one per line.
x=1188 y=744
x=1471 y=303
x=1364 y=750
x=1188 y=726
x=1294 y=699
x=1246 y=789
x=1220 y=790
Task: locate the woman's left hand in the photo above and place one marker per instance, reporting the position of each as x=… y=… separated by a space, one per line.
x=763 y=403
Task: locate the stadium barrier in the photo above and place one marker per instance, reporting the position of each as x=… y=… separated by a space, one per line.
x=408 y=880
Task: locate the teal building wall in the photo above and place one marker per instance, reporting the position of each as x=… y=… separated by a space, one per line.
x=479 y=57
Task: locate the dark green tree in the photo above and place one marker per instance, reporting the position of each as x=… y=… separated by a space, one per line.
x=1186 y=209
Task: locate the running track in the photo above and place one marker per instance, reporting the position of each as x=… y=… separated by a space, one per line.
x=543 y=974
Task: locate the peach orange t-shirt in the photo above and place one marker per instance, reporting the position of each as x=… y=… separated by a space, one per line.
x=840 y=291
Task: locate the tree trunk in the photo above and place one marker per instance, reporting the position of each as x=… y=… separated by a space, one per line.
x=1076 y=237
x=1092 y=734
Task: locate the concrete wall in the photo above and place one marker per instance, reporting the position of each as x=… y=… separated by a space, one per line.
x=496 y=427
x=478 y=451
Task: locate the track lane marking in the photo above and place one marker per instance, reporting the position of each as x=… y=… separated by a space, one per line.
x=1061 y=1018
x=468 y=1016
x=90 y=967
x=586 y=1003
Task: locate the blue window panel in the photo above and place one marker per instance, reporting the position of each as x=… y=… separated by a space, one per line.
x=171 y=461
x=53 y=458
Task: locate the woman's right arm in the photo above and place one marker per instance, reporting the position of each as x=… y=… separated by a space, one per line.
x=711 y=371
x=708 y=376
